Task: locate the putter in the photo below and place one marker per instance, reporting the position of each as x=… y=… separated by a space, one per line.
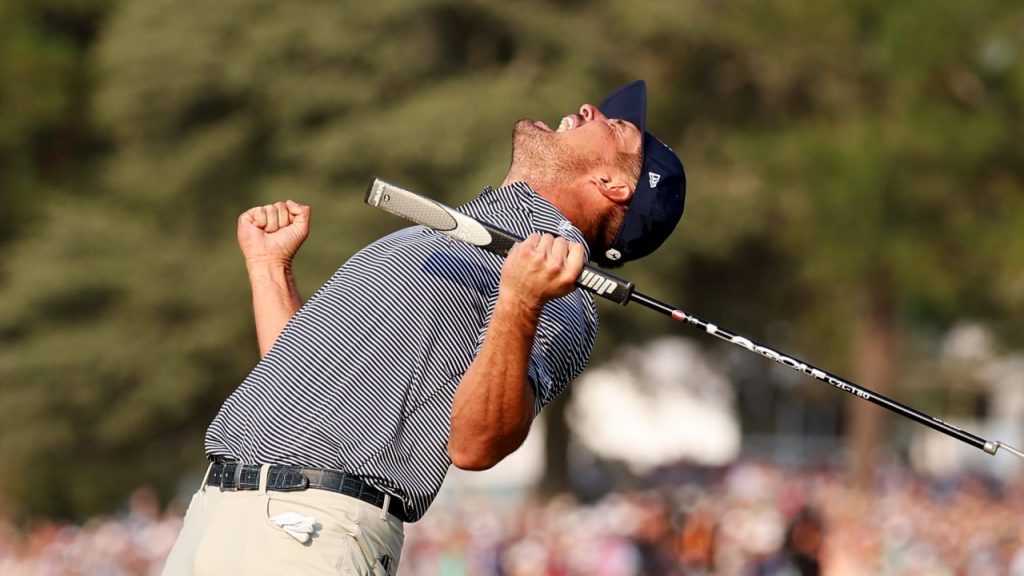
x=450 y=222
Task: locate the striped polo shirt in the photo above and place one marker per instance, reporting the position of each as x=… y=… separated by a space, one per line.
x=362 y=378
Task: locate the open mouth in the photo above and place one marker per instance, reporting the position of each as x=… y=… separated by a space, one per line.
x=568 y=123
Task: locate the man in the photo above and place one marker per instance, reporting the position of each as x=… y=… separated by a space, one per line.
x=420 y=352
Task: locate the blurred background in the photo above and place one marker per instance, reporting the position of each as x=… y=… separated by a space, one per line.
x=855 y=198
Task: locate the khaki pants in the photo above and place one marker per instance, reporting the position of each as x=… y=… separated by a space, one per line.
x=231 y=532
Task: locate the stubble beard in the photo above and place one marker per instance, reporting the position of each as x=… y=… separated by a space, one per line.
x=542 y=159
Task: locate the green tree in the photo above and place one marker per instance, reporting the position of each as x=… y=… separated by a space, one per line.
x=875 y=148
x=853 y=172
x=116 y=359
x=893 y=202
x=44 y=85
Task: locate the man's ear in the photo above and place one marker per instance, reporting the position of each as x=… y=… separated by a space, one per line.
x=612 y=186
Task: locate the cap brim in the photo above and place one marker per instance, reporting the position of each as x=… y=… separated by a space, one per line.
x=658 y=199
x=628 y=103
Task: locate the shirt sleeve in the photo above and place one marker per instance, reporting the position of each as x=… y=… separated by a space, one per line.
x=562 y=347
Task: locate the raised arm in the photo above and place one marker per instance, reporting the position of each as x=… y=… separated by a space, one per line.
x=494 y=403
x=269 y=237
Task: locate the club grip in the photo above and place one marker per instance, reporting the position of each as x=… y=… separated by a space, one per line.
x=605 y=285
x=437 y=216
x=591 y=279
x=429 y=213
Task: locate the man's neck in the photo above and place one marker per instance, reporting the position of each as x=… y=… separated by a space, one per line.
x=566 y=199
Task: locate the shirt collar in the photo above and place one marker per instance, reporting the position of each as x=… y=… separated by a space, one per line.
x=543 y=215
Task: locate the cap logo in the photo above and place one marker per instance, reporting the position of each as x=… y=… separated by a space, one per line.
x=653 y=178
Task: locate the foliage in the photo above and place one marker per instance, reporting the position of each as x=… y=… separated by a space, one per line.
x=828 y=143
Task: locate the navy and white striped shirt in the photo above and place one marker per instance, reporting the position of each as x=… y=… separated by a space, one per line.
x=362 y=378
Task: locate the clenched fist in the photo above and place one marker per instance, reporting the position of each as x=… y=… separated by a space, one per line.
x=273 y=233
x=541 y=268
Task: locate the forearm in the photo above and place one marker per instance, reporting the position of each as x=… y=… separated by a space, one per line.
x=494 y=404
x=275 y=299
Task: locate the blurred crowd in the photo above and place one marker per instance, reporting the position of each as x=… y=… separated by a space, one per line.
x=134 y=543
x=753 y=519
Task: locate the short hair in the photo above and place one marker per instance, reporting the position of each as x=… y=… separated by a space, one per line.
x=631 y=163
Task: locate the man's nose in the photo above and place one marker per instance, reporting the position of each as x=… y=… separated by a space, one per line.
x=590 y=112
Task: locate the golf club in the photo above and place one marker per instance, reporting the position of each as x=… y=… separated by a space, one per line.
x=446 y=220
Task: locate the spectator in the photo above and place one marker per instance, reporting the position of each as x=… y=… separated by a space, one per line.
x=759 y=519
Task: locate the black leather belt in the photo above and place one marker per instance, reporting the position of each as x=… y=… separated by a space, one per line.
x=235 y=476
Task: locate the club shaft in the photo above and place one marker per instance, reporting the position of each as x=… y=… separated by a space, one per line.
x=817 y=373
x=1010 y=449
x=443 y=219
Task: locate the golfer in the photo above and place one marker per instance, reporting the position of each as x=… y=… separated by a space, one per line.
x=420 y=352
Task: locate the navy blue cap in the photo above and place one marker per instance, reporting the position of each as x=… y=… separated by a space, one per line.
x=657 y=203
